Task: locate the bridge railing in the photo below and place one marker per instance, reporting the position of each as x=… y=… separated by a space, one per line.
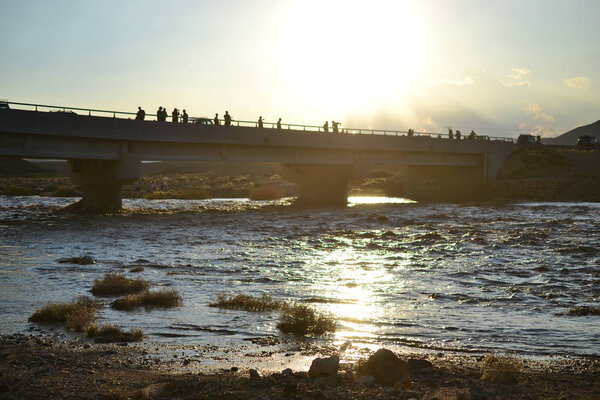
x=242 y=123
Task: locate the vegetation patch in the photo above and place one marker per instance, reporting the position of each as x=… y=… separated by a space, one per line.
x=501 y=369
x=167 y=298
x=117 y=285
x=300 y=319
x=77 y=315
x=113 y=333
x=266 y=192
x=247 y=302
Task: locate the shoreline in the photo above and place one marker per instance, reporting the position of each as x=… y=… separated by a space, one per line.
x=56 y=366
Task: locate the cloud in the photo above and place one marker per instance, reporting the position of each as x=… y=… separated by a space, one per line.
x=517 y=78
x=578 y=82
x=536 y=111
x=455 y=82
x=543 y=131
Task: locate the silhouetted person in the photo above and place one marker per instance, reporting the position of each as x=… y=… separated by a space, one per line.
x=216 y=120
x=472 y=135
x=326 y=127
x=335 y=126
x=162 y=114
x=159 y=114
x=227 y=118
x=175 y=115
x=260 y=122
x=279 y=124
x=411 y=132
x=141 y=114
x=458 y=135
x=450 y=134
x=184 y=117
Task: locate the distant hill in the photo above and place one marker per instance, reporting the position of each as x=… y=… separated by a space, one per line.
x=18 y=167
x=570 y=138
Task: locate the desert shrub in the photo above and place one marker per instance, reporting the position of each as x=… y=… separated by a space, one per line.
x=113 y=333
x=76 y=315
x=248 y=303
x=266 y=192
x=501 y=369
x=116 y=285
x=299 y=319
x=65 y=191
x=167 y=298
x=16 y=190
x=193 y=194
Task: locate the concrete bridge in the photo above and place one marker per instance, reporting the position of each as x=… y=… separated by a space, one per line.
x=104 y=152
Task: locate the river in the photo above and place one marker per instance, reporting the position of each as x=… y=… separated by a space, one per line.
x=472 y=277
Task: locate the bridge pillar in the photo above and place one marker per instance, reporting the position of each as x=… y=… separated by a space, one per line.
x=100 y=182
x=321 y=185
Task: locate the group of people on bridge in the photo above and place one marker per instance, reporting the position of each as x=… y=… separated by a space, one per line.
x=458 y=135
x=161 y=115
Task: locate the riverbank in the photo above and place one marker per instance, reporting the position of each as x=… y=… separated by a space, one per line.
x=42 y=366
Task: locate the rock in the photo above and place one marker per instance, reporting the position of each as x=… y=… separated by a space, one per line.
x=301 y=375
x=366 y=380
x=149 y=392
x=186 y=361
x=387 y=368
x=324 y=367
x=254 y=375
x=289 y=389
x=234 y=369
x=287 y=372
x=418 y=365
x=478 y=393
x=319 y=382
x=81 y=260
x=345 y=346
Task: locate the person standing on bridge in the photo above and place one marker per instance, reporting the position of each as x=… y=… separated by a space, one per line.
x=184 y=117
x=457 y=135
x=175 y=115
x=227 y=118
x=141 y=114
x=279 y=124
x=450 y=134
x=260 y=122
x=159 y=114
x=472 y=135
x=216 y=120
x=326 y=127
x=335 y=126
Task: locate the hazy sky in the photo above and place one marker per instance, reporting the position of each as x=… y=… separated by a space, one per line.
x=497 y=66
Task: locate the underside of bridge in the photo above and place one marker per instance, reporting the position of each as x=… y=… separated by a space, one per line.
x=320 y=185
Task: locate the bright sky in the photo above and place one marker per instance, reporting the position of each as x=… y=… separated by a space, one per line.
x=497 y=66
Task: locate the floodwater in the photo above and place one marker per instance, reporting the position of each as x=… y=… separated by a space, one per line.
x=475 y=277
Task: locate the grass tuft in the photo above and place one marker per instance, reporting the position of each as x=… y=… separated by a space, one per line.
x=248 y=303
x=167 y=298
x=501 y=369
x=300 y=319
x=117 y=285
x=113 y=333
x=77 y=315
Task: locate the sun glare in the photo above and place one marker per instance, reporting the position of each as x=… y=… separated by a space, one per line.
x=351 y=54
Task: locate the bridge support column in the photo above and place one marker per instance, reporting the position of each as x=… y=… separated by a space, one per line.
x=100 y=182
x=321 y=185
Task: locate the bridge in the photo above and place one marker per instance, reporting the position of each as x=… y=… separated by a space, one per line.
x=105 y=148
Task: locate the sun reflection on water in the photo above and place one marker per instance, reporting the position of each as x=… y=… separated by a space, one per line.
x=356 y=200
x=355 y=275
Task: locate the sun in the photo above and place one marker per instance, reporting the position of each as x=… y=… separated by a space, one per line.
x=347 y=55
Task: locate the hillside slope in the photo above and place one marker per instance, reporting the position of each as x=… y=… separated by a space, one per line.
x=570 y=138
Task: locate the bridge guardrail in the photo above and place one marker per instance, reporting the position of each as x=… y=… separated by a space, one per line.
x=253 y=124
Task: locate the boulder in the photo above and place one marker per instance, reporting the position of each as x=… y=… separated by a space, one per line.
x=324 y=367
x=81 y=260
x=419 y=365
x=386 y=368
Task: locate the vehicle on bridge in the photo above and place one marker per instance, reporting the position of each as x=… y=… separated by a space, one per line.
x=587 y=142
x=202 y=121
x=529 y=140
